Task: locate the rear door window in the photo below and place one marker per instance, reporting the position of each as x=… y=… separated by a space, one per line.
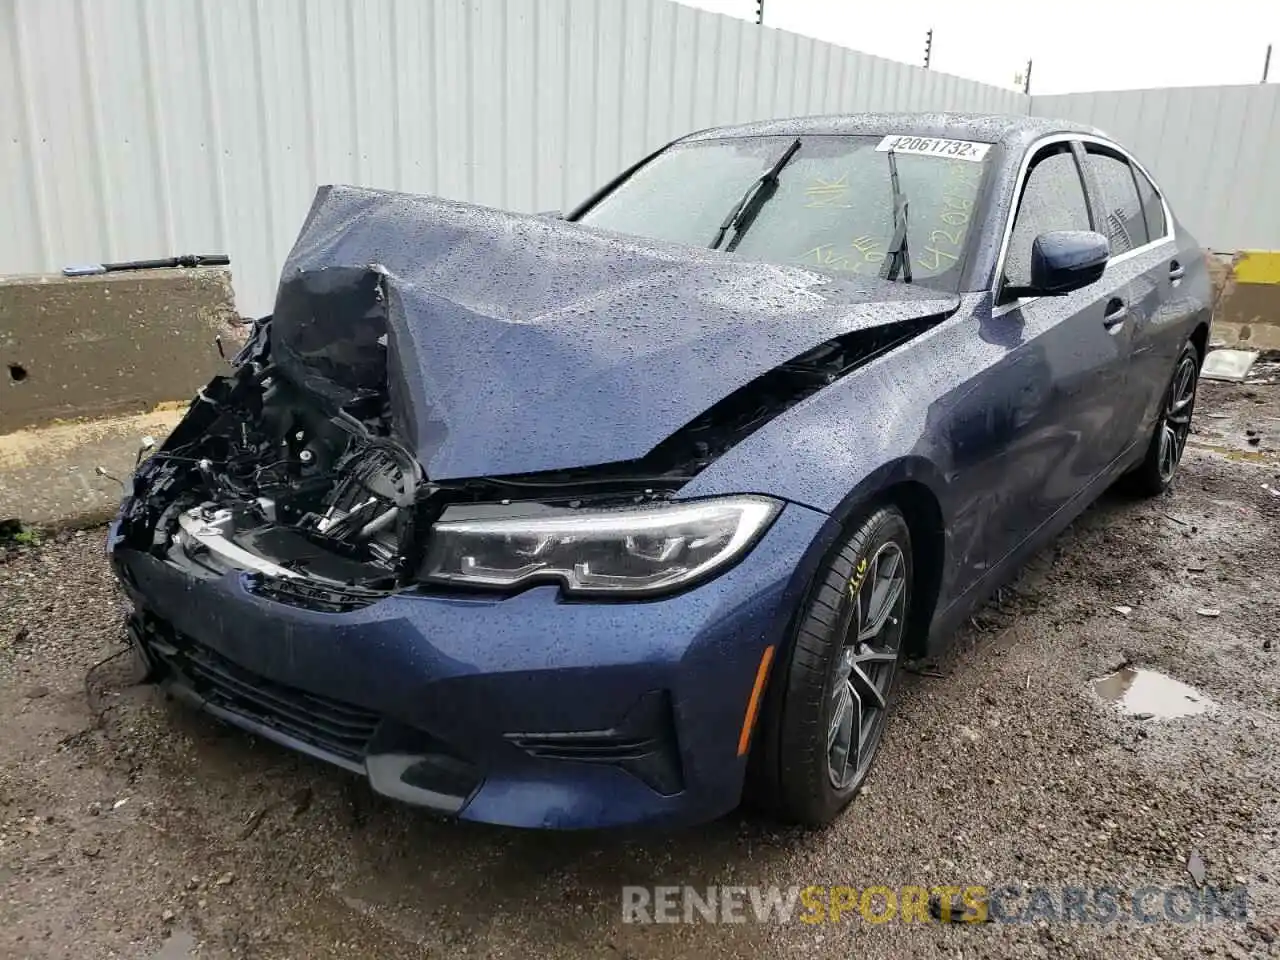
x=1123 y=221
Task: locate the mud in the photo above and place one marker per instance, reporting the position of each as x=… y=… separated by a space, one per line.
x=131 y=827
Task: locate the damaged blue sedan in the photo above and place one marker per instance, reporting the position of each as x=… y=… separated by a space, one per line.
x=618 y=517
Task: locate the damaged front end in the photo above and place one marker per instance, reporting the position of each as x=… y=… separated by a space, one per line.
x=374 y=539
x=292 y=471
x=296 y=471
x=289 y=469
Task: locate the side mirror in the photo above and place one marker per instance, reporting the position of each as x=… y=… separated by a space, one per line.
x=1066 y=260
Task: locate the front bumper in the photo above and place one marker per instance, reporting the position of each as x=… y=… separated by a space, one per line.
x=527 y=710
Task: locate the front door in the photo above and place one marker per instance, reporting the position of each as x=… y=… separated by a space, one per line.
x=1063 y=385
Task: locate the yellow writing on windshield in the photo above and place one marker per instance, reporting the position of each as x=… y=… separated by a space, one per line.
x=862 y=255
x=827 y=193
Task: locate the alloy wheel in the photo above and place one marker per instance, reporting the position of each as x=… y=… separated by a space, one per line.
x=1175 y=422
x=868 y=661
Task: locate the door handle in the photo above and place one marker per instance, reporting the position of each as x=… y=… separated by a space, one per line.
x=1116 y=313
x=1176 y=271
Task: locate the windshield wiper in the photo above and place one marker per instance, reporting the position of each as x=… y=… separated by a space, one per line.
x=758 y=194
x=899 y=258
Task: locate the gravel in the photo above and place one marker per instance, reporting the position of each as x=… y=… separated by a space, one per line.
x=133 y=827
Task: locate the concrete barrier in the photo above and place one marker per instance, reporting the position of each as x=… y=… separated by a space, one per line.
x=87 y=367
x=1246 y=310
x=112 y=344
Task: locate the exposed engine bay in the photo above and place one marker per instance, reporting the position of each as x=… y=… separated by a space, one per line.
x=260 y=477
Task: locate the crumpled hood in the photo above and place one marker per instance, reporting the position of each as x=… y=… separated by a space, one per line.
x=518 y=344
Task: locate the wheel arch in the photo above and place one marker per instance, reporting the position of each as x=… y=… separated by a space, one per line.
x=914 y=485
x=911 y=489
x=1200 y=337
x=923 y=514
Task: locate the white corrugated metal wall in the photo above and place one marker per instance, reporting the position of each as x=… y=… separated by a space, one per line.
x=1214 y=151
x=142 y=128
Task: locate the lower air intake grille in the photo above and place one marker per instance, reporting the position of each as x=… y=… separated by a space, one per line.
x=338 y=729
x=643 y=744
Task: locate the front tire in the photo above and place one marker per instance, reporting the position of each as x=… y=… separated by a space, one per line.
x=1155 y=474
x=828 y=710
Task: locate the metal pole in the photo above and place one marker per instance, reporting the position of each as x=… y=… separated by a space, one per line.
x=760 y=12
x=1266 y=64
x=1026 y=80
x=928 y=46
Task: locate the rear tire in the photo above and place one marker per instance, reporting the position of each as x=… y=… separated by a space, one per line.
x=826 y=709
x=1154 y=475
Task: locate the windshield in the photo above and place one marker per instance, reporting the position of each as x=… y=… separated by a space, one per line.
x=833 y=208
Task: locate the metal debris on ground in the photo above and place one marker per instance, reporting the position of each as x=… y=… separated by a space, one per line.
x=254 y=821
x=1230 y=365
x=1209 y=612
x=1196 y=867
x=179 y=945
x=957 y=911
x=301 y=799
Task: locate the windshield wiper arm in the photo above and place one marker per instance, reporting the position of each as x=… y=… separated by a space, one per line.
x=758 y=194
x=899 y=258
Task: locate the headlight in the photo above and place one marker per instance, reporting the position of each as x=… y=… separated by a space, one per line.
x=624 y=551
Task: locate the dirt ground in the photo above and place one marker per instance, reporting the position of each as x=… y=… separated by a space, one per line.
x=132 y=827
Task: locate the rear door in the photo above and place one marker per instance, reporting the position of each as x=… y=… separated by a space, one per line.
x=1142 y=251
x=1060 y=391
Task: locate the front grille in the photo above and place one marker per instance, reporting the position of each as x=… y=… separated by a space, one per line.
x=332 y=727
x=311 y=596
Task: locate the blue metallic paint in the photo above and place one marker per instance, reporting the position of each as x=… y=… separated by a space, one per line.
x=1012 y=418
x=503 y=330
x=470 y=670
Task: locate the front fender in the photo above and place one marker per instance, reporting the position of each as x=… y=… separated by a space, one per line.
x=886 y=424
x=832 y=451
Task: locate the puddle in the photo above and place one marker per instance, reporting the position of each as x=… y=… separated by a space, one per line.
x=1148 y=695
x=1233 y=453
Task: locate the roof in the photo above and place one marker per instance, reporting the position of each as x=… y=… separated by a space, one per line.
x=1006 y=129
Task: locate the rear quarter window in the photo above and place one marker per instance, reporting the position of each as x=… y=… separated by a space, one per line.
x=1123 y=219
x=1152 y=207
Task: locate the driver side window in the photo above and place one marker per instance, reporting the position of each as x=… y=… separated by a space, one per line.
x=1052 y=199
